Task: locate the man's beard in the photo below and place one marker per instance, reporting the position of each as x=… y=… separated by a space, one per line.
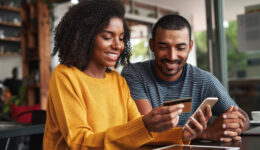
x=178 y=61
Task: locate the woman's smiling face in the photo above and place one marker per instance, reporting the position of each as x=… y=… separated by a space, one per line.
x=108 y=44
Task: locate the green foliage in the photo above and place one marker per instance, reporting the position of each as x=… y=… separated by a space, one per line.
x=237 y=61
x=140 y=50
x=201 y=49
x=16 y=99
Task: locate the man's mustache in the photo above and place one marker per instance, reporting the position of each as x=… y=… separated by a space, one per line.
x=177 y=61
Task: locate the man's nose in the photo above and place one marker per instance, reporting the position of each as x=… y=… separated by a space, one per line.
x=173 y=55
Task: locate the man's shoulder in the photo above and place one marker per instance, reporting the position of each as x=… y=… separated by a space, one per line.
x=196 y=71
x=140 y=67
x=198 y=74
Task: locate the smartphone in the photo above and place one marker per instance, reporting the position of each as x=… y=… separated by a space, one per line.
x=211 y=101
x=185 y=101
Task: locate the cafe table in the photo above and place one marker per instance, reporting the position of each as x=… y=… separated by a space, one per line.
x=14 y=129
x=248 y=142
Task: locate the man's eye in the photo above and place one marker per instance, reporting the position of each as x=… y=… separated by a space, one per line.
x=162 y=47
x=181 y=48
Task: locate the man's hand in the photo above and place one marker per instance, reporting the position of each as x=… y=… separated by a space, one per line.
x=197 y=125
x=228 y=126
x=163 y=118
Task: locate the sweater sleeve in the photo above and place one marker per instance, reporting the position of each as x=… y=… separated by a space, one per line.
x=71 y=118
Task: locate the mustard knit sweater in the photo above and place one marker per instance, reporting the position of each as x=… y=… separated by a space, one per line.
x=89 y=113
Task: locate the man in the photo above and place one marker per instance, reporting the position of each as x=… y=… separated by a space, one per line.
x=13 y=83
x=169 y=77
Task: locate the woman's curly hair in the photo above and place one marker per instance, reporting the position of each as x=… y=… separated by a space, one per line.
x=75 y=34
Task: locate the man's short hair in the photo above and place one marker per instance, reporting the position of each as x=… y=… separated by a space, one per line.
x=172 y=22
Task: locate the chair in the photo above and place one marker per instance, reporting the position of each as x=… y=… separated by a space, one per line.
x=37 y=117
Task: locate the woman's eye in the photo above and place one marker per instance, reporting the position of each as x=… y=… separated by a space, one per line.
x=106 y=37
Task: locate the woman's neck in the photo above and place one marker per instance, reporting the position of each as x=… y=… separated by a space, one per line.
x=95 y=72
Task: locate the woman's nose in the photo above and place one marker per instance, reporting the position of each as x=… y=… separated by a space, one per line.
x=117 y=44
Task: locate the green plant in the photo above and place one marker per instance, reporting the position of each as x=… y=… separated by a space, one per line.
x=237 y=61
x=140 y=51
x=19 y=99
x=201 y=49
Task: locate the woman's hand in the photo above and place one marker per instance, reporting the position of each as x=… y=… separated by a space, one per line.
x=163 y=118
x=197 y=124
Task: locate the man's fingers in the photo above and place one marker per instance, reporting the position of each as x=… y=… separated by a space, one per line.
x=238 y=130
x=208 y=113
x=241 y=116
x=201 y=119
x=230 y=125
x=188 y=128
x=228 y=133
x=197 y=126
x=230 y=115
x=230 y=109
x=237 y=138
x=225 y=139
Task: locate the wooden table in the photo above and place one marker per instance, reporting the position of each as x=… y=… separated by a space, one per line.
x=247 y=143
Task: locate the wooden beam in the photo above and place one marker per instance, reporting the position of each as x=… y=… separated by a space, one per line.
x=44 y=50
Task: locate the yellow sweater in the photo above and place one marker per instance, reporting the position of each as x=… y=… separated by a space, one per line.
x=89 y=113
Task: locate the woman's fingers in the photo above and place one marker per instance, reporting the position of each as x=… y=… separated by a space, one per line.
x=163 y=118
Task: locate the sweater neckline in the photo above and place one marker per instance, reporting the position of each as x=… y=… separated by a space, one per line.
x=90 y=77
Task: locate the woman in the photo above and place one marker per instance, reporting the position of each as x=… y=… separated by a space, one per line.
x=89 y=105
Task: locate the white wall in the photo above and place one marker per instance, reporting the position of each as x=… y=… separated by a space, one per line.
x=6 y=65
x=232 y=8
x=193 y=10
x=59 y=10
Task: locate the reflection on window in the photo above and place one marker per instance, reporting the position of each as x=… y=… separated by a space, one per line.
x=139 y=41
x=140 y=50
x=243 y=57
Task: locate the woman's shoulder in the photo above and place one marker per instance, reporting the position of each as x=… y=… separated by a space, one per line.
x=64 y=70
x=115 y=74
